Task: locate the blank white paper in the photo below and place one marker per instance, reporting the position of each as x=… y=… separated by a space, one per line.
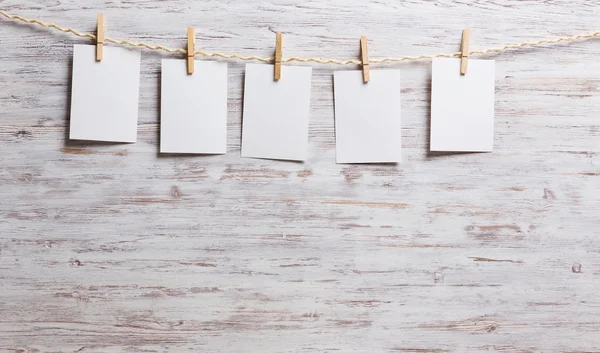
x=193 y=108
x=462 y=107
x=275 y=121
x=367 y=117
x=104 y=96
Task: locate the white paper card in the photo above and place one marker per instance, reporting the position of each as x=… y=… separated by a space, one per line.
x=104 y=96
x=275 y=122
x=193 y=108
x=462 y=107
x=367 y=117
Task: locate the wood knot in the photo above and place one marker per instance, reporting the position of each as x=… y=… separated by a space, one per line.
x=175 y=193
x=576 y=268
x=23 y=134
x=27 y=177
x=549 y=194
x=304 y=173
x=438 y=277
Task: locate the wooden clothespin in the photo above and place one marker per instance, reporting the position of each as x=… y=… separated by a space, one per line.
x=100 y=38
x=464 y=51
x=364 y=52
x=278 y=54
x=191 y=49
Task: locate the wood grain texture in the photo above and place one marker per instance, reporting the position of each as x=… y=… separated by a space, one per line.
x=364 y=54
x=114 y=248
x=464 y=51
x=278 y=55
x=100 y=37
x=191 y=49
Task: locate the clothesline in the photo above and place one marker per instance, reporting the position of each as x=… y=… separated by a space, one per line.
x=125 y=42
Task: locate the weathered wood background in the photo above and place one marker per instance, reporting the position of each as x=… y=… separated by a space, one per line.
x=115 y=248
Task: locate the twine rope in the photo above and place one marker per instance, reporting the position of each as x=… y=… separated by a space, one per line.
x=126 y=42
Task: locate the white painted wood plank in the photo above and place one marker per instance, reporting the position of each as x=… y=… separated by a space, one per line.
x=113 y=248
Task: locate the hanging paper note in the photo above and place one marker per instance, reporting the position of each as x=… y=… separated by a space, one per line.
x=193 y=109
x=367 y=117
x=462 y=106
x=275 y=121
x=104 y=97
